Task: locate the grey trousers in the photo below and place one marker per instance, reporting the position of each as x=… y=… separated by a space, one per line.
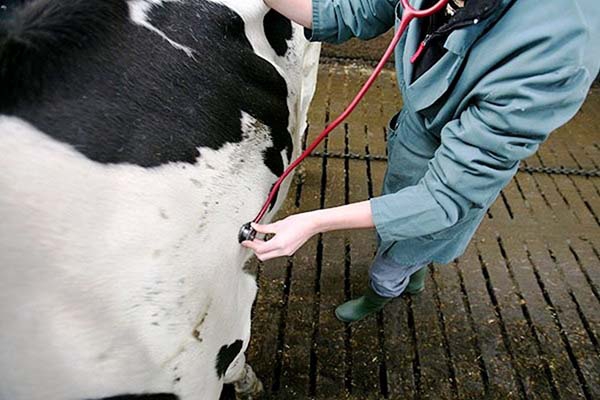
x=388 y=278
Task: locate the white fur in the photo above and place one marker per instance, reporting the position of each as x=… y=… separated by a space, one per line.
x=90 y=254
x=119 y=279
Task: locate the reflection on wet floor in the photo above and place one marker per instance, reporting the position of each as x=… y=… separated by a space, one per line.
x=515 y=317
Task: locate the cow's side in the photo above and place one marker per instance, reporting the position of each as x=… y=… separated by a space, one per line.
x=135 y=139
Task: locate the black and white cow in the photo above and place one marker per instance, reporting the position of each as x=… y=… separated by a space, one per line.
x=136 y=137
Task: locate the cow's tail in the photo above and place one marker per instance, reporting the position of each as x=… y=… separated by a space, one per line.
x=36 y=35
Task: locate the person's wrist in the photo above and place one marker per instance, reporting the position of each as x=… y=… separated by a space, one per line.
x=315 y=222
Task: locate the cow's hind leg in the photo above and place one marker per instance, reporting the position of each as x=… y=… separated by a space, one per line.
x=248 y=387
x=246 y=383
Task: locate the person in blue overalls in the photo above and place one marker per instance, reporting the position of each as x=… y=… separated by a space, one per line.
x=494 y=78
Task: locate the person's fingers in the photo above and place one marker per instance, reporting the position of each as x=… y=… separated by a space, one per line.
x=269 y=228
x=270 y=255
x=249 y=244
x=267 y=246
x=260 y=246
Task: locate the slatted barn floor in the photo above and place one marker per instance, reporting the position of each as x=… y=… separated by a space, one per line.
x=518 y=316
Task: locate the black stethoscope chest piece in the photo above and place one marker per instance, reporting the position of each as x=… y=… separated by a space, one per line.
x=246 y=233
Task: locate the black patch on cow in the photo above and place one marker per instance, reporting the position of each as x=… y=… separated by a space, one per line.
x=278 y=30
x=37 y=36
x=157 y=396
x=119 y=93
x=226 y=355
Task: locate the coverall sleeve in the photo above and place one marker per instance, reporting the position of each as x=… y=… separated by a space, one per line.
x=336 y=21
x=480 y=151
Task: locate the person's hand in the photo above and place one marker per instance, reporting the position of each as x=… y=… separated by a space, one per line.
x=290 y=234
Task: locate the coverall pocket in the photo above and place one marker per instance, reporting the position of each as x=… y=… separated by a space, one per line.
x=392 y=129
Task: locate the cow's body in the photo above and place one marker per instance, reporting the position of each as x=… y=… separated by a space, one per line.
x=127 y=171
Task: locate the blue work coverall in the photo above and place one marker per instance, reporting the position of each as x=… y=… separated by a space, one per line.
x=503 y=85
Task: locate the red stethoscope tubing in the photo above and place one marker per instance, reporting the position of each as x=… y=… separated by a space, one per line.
x=408 y=14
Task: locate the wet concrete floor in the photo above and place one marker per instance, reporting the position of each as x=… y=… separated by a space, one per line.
x=517 y=316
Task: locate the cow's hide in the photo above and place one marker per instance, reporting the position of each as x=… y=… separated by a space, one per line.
x=135 y=139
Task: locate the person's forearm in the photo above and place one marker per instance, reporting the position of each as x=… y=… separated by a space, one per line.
x=351 y=216
x=299 y=11
x=292 y=232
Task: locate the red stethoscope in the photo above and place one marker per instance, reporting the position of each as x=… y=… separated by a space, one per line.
x=408 y=14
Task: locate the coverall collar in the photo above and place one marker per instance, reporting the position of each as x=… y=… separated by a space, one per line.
x=429 y=87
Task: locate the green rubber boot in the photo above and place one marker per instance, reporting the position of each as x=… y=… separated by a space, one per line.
x=417 y=282
x=357 y=309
